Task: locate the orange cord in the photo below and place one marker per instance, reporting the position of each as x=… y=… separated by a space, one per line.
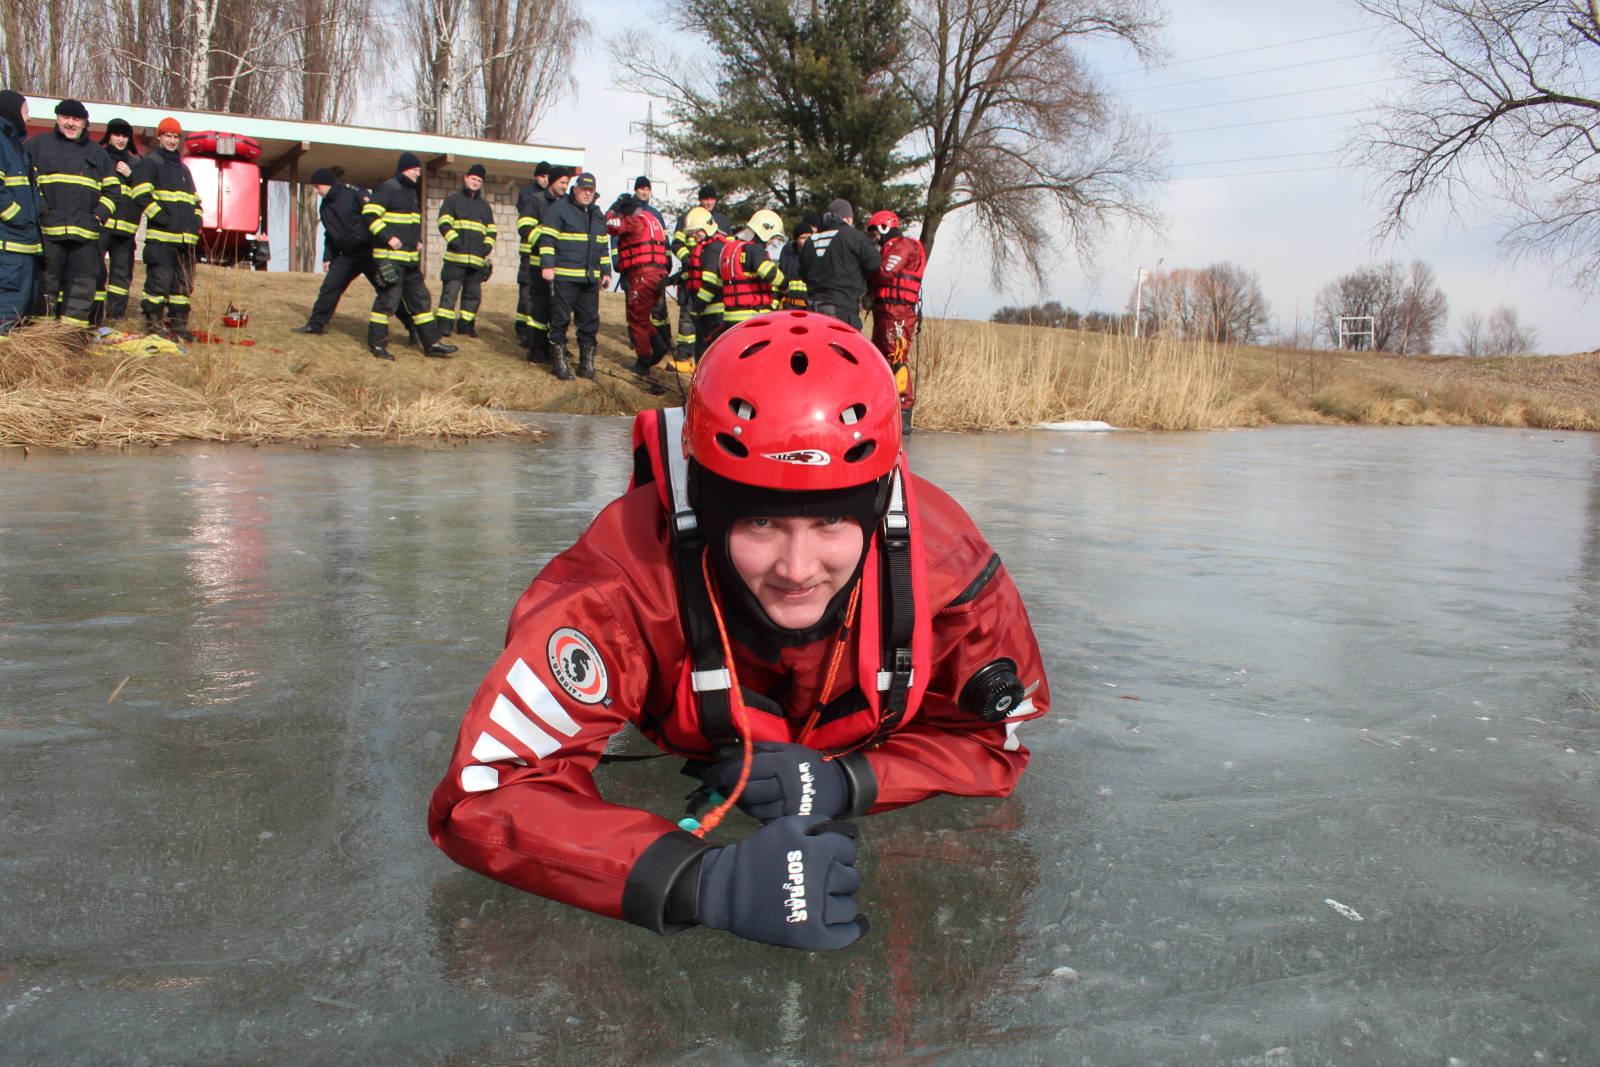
x=736 y=699
x=841 y=639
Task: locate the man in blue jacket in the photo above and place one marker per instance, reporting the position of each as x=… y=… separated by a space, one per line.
x=19 y=213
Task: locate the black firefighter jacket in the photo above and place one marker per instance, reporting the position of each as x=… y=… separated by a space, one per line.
x=836 y=264
x=574 y=241
x=76 y=180
x=344 y=227
x=164 y=190
x=124 y=220
x=466 y=220
x=394 y=211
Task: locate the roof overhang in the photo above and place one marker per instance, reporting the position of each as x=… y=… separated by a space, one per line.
x=367 y=153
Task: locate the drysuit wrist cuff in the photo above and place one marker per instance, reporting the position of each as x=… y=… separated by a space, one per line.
x=862 y=781
x=652 y=897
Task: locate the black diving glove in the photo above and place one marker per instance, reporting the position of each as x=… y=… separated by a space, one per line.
x=785 y=779
x=792 y=883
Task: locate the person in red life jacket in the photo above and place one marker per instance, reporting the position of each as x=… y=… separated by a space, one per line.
x=747 y=278
x=700 y=235
x=779 y=600
x=641 y=257
x=896 y=295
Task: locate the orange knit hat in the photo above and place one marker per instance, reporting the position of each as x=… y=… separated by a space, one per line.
x=169 y=125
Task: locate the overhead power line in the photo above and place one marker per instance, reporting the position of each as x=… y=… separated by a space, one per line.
x=1253 y=173
x=1272 y=96
x=1243 y=51
x=1249 y=159
x=1266 y=122
x=1249 y=73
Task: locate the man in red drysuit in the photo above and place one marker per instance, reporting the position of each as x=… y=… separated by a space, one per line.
x=896 y=294
x=821 y=633
x=641 y=256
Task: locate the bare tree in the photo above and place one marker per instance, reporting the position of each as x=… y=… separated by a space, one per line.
x=1472 y=340
x=1499 y=107
x=1406 y=307
x=201 y=54
x=1018 y=129
x=47 y=47
x=491 y=68
x=1506 y=335
x=1222 y=303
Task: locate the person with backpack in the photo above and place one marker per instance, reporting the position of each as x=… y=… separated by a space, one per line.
x=777 y=599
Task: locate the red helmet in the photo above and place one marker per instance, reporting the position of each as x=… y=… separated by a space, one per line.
x=793 y=400
x=884 y=221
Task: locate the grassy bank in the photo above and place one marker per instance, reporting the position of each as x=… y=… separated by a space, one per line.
x=986 y=376
x=971 y=376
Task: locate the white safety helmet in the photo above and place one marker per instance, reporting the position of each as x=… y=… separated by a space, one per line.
x=766 y=225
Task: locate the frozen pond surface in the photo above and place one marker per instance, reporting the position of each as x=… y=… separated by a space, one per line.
x=1291 y=666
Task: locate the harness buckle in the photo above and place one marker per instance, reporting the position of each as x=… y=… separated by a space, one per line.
x=704 y=681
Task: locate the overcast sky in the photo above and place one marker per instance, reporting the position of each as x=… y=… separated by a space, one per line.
x=1285 y=80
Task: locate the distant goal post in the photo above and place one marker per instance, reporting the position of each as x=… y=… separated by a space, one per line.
x=1355 y=328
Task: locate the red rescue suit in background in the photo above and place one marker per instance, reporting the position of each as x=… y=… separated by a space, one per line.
x=597 y=642
x=642 y=260
x=896 y=300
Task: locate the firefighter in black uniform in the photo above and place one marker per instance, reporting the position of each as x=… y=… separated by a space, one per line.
x=76 y=182
x=680 y=245
x=575 y=258
x=527 y=224
x=164 y=190
x=394 y=216
x=467 y=222
x=117 y=239
x=530 y=223
x=837 y=263
x=346 y=251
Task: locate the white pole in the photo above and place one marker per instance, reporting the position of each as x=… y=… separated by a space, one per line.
x=1138 y=301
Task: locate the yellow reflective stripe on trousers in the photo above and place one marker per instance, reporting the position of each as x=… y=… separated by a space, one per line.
x=379 y=317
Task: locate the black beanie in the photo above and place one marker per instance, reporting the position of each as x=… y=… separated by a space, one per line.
x=542 y=170
x=641 y=182
x=557 y=173
x=323 y=176
x=72 y=109
x=477 y=169
x=408 y=160
x=117 y=126
x=708 y=191
x=811 y=223
x=11 y=103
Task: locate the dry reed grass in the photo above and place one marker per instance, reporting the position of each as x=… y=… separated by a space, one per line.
x=980 y=376
x=976 y=376
x=55 y=392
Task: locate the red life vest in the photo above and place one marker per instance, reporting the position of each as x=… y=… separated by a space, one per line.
x=899 y=280
x=691 y=266
x=893 y=635
x=742 y=290
x=642 y=243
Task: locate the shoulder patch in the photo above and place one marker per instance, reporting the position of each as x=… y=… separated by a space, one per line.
x=576 y=664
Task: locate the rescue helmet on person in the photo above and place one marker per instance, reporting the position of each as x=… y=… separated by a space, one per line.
x=766 y=225
x=882 y=224
x=699 y=224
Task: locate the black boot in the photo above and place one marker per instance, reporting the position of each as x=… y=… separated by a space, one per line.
x=311 y=327
x=179 y=331
x=446 y=327
x=586 y=361
x=439 y=350
x=155 y=326
x=382 y=352
x=558 y=360
x=469 y=328
x=412 y=340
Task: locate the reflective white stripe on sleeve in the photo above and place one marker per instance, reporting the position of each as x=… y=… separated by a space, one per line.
x=477 y=778
x=1012 y=744
x=489 y=750
x=518 y=725
x=536 y=695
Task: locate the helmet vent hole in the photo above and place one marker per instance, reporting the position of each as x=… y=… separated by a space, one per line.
x=742 y=409
x=799 y=363
x=861 y=451
x=753 y=349
x=799 y=329
x=733 y=447
x=845 y=352
x=843 y=328
x=853 y=414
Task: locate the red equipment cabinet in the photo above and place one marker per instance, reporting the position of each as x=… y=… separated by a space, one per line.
x=228 y=182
